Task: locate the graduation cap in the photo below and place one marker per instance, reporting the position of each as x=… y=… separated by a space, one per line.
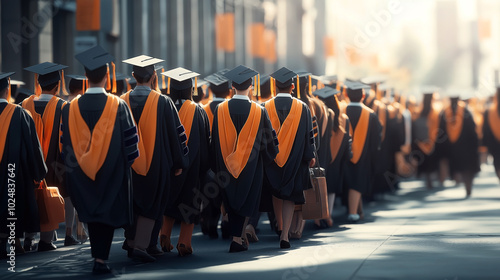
x=14 y=85
x=94 y=58
x=325 y=93
x=21 y=94
x=180 y=79
x=219 y=84
x=267 y=86
x=284 y=77
x=144 y=65
x=46 y=73
x=199 y=92
x=76 y=83
x=4 y=79
x=354 y=85
x=241 y=76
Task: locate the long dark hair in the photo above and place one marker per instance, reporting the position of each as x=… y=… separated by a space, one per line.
x=333 y=103
x=427 y=105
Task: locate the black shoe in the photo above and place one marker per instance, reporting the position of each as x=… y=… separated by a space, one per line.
x=235 y=247
x=142 y=256
x=224 y=227
x=70 y=241
x=29 y=244
x=43 y=246
x=101 y=268
x=284 y=244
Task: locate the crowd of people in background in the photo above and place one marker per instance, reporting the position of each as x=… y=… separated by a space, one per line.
x=141 y=152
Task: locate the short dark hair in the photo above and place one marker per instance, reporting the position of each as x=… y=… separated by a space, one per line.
x=355 y=95
x=141 y=79
x=75 y=86
x=49 y=87
x=97 y=75
x=284 y=89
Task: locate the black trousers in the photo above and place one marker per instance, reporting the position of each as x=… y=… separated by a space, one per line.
x=236 y=223
x=101 y=236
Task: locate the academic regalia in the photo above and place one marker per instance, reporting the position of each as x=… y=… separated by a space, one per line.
x=183 y=206
x=365 y=130
x=335 y=154
x=462 y=143
x=491 y=133
x=166 y=155
x=99 y=179
x=289 y=175
x=22 y=156
x=242 y=194
x=182 y=203
x=425 y=132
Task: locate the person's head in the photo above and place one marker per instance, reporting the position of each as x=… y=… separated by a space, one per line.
x=356 y=95
x=95 y=62
x=283 y=78
x=426 y=104
x=181 y=83
x=49 y=76
x=4 y=85
x=98 y=76
x=241 y=78
x=144 y=78
x=219 y=85
x=51 y=88
x=329 y=97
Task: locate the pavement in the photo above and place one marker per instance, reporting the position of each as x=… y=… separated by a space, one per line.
x=413 y=234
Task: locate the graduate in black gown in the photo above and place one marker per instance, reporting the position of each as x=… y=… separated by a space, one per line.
x=491 y=131
x=427 y=139
x=365 y=131
x=338 y=148
x=21 y=159
x=242 y=144
x=220 y=89
x=288 y=175
x=46 y=112
x=184 y=201
x=99 y=145
x=162 y=154
x=461 y=146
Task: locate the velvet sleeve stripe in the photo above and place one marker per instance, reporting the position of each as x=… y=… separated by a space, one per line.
x=183 y=138
x=186 y=150
x=130 y=131
x=180 y=129
x=274 y=134
x=132 y=141
x=132 y=156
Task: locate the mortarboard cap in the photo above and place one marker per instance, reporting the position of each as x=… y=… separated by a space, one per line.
x=48 y=72
x=284 y=77
x=94 y=58
x=144 y=65
x=77 y=77
x=4 y=82
x=325 y=93
x=180 y=78
x=353 y=85
x=216 y=79
x=241 y=76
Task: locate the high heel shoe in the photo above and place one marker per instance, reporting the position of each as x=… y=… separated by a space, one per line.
x=251 y=235
x=165 y=244
x=184 y=250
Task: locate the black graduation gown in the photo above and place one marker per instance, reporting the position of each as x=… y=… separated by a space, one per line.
x=336 y=169
x=185 y=199
x=108 y=199
x=289 y=182
x=54 y=162
x=385 y=176
x=359 y=176
x=242 y=195
x=426 y=163
x=22 y=149
x=490 y=141
x=152 y=191
x=463 y=155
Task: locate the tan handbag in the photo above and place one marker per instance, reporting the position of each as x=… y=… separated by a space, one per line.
x=50 y=207
x=316 y=206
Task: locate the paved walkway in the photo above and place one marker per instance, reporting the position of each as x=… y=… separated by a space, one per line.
x=416 y=234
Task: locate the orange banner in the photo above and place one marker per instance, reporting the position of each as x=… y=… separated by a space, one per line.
x=329 y=45
x=224 y=32
x=88 y=15
x=484 y=26
x=270 y=38
x=257 y=47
